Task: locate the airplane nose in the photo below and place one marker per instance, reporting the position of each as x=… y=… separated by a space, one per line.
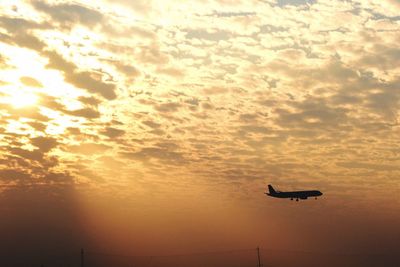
x=320 y=193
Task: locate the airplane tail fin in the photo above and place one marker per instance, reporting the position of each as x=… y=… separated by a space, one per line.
x=271 y=189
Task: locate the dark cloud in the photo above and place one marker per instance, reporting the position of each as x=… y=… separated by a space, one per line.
x=369 y=93
x=23 y=40
x=255 y=128
x=38 y=126
x=312 y=113
x=152 y=54
x=34 y=155
x=25 y=167
x=152 y=124
x=70 y=14
x=193 y=101
x=86 y=80
x=246 y=117
x=56 y=61
x=158 y=132
x=129 y=70
x=74 y=131
x=216 y=35
x=30 y=81
x=92 y=101
x=12 y=175
x=168 y=107
x=81 y=79
x=20 y=26
x=45 y=144
x=112 y=132
x=19 y=32
x=51 y=102
x=383 y=57
x=346 y=98
x=87 y=113
x=80 y=135
x=207 y=105
x=385 y=103
x=28 y=41
x=25 y=112
x=333 y=72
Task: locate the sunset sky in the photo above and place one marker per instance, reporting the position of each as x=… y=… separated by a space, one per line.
x=140 y=127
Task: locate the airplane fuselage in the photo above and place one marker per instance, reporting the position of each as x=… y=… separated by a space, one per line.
x=296 y=194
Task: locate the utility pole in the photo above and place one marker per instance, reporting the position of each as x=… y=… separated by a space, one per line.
x=258 y=256
x=82 y=258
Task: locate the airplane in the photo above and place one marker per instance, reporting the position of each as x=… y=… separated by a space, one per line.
x=294 y=194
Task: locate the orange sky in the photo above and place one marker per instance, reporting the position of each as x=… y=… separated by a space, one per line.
x=153 y=127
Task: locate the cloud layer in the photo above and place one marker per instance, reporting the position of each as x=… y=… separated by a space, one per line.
x=134 y=97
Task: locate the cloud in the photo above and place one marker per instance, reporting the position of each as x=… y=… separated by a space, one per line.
x=89 y=148
x=91 y=100
x=34 y=166
x=152 y=124
x=168 y=107
x=87 y=113
x=174 y=72
x=87 y=80
x=3 y=61
x=112 y=132
x=45 y=144
x=12 y=175
x=82 y=79
x=128 y=70
x=165 y=153
x=29 y=81
x=19 y=32
x=38 y=126
x=142 y=7
x=34 y=155
x=70 y=14
x=20 y=26
x=90 y=112
x=208 y=35
x=248 y=90
x=368 y=166
x=152 y=54
x=25 y=112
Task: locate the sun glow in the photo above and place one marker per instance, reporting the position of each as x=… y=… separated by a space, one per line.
x=22 y=98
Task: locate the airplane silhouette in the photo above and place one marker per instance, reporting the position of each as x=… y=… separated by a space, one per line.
x=294 y=194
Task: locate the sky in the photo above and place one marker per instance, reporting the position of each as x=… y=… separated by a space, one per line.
x=154 y=127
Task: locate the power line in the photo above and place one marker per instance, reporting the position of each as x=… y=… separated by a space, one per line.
x=172 y=255
x=332 y=253
x=215 y=252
